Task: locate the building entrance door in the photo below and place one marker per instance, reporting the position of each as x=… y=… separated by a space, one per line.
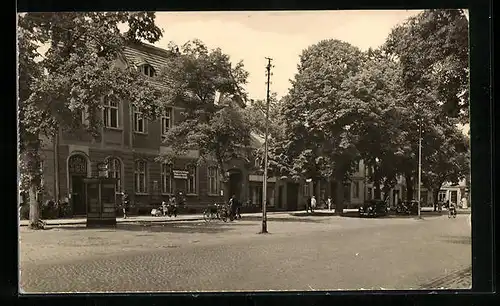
x=235 y=182
x=77 y=168
x=78 y=195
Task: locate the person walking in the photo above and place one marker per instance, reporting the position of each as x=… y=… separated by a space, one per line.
x=329 y=203
x=313 y=204
x=232 y=206
x=308 y=204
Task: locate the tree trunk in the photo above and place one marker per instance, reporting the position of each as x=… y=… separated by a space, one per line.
x=377 y=190
x=31 y=159
x=435 y=194
x=339 y=193
x=225 y=183
x=34 y=206
x=376 y=183
x=409 y=187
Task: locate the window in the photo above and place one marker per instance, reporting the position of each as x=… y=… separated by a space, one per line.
x=212 y=180
x=191 y=181
x=355 y=186
x=370 y=171
x=356 y=166
x=84 y=115
x=166 y=178
x=140 y=176
x=139 y=122
x=306 y=189
x=257 y=163
x=111 y=114
x=147 y=70
x=441 y=196
x=115 y=171
x=369 y=193
x=166 y=121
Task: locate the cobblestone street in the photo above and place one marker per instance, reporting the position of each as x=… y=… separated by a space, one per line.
x=300 y=253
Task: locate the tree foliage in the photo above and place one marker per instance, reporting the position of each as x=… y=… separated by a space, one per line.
x=74 y=75
x=318 y=115
x=210 y=89
x=433 y=50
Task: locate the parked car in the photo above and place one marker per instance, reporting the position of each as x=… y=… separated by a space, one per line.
x=373 y=208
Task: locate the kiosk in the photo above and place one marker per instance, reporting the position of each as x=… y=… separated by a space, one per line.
x=100 y=200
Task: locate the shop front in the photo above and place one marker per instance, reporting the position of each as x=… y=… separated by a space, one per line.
x=255 y=191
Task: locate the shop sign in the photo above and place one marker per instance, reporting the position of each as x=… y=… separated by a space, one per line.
x=260 y=178
x=180 y=174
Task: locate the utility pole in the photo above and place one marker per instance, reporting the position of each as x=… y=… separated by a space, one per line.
x=264 y=183
x=419 y=162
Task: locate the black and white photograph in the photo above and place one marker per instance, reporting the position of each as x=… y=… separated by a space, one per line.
x=243 y=151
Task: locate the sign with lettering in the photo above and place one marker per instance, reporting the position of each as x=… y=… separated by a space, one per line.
x=77 y=164
x=180 y=174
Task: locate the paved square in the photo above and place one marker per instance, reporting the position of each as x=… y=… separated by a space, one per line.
x=300 y=253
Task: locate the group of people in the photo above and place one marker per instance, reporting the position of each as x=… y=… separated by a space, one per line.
x=312 y=203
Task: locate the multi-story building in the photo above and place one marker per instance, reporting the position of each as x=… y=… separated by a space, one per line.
x=129 y=144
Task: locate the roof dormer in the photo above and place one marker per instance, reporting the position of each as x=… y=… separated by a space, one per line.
x=147 y=70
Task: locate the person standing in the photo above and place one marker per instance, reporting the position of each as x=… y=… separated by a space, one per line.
x=125 y=204
x=164 y=207
x=308 y=204
x=313 y=204
x=238 y=209
x=329 y=203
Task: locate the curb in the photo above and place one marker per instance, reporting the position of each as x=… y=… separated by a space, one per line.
x=120 y=222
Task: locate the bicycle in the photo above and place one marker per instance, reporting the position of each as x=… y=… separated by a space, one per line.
x=211 y=213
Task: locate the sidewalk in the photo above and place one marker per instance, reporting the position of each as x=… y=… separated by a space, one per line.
x=197 y=217
x=135 y=219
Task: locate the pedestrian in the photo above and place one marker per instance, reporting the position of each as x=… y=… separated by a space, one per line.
x=125 y=204
x=308 y=204
x=464 y=203
x=238 y=209
x=164 y=207
x=313 y=204
x=329 y=203
x=232 y=206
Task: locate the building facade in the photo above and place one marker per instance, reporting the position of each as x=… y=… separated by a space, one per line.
x=130 y=144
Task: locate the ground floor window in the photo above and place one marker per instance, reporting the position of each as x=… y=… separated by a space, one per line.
x=255 y=193
x=442 y=196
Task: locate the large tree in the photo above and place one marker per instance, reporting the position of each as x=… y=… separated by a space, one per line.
x=376 y=90
x=73 y=76
x=318 y=116
x=210 y=89
x=450 y=163
x=433 y=49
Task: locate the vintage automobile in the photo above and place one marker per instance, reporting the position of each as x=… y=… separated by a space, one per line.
x=373 y=208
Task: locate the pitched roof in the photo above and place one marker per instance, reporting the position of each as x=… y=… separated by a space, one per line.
x=142 y=53
x=139 y=53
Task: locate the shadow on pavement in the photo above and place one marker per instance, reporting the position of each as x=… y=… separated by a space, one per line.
x=393 y=215
x=284 y=219
x=314 y=214
x=457 y=239
x=167 y=227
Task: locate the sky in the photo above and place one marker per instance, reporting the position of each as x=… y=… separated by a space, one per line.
x=280 y=35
